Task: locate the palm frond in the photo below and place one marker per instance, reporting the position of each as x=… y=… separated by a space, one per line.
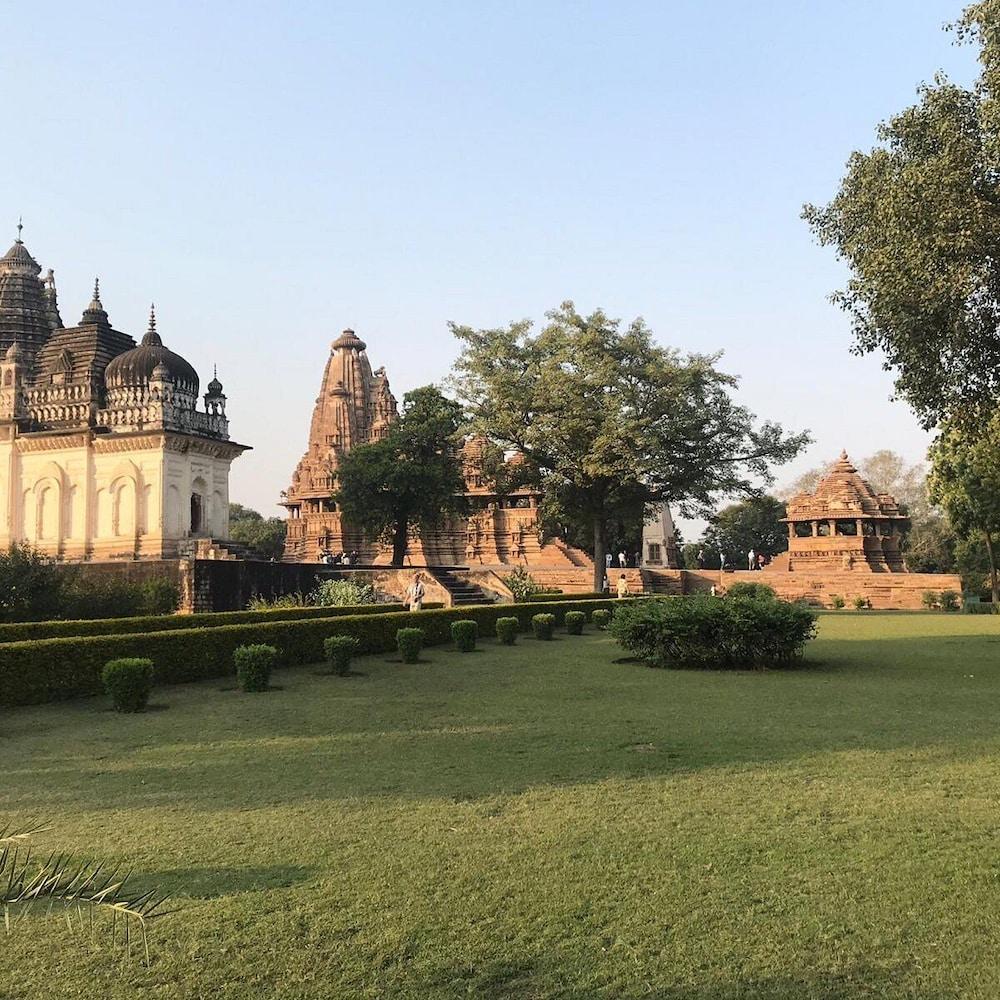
x=82 y=890
x=11 y=833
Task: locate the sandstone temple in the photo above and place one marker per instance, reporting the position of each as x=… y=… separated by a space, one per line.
x=845 y=525
x=104 y=452
x=355 y=405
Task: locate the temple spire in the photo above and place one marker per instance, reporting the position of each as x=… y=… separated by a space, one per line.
x=20 y=226
x=94 y=313
x=152 y=338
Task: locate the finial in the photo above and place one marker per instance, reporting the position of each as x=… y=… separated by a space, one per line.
x=215 y=370
x=843 y=454
x=152 y=317
x=97 y=289
x=20 y=226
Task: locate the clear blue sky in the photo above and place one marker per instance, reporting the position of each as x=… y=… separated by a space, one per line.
x=270 y=174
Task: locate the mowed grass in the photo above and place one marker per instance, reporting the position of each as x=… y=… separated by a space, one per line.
x=540 y=821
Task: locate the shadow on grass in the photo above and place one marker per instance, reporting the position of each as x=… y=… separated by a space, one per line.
x=211 y=883
x=513 y=980
x=519 y=721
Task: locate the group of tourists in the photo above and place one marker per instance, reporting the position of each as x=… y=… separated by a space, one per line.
x=622 y=559
x=755 y=560
x=340 y=558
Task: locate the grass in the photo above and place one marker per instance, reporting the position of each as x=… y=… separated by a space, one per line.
x=542 y=821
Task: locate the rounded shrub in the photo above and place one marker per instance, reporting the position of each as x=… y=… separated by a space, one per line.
x=338 y=650
x=409 y=642
x=129 y=682
x=702 y=632
x=860 y=603
x=507 y=630
x=601 y=617
x=254 y=664
x=754 y=591
x=837 y=601
x=574 y=622
x=465 y=633
x=950 y=600
x=543 y=626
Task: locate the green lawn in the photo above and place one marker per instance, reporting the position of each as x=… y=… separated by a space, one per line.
x=543 y=821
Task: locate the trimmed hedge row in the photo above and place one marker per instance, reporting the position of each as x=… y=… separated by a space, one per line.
x=25 y=631
x=592 y=595
x=53 y=669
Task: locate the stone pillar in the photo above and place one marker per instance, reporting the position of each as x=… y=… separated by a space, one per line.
x=815 y=529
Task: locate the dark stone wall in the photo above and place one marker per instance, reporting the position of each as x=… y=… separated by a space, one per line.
x=228 y=585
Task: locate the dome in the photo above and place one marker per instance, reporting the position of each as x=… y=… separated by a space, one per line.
x=349 y=339
x=17 y=258
x=136 y=367
x=215 y=386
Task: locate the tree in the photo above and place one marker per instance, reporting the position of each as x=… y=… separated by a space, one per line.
x=410 y=478
x=612 y=423
x=751 y=524
x=265 y=535
x=917 y=220
x=32 y=585
x=965 y=481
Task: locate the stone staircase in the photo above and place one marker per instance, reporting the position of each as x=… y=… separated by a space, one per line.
x=460 y=591
x=214 y=548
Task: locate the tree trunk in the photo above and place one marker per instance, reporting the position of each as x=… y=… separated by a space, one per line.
x=600 y=552
x=400 y=537
x=994 y=594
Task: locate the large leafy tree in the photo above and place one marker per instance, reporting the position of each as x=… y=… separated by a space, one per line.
x=917 y=220
x=754 y=523
x=265 y=535
x=612 y=422
x=965 y=481
x=411 y=478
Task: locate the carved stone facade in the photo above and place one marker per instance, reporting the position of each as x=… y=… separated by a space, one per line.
x=845 y=525
x=355 y=406
x=103 y=452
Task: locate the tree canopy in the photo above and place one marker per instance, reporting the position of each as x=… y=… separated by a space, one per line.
x=965 y=481
x=750 y=524
x=917 y=220
x=265 y=535
x=610 y=422
x=411 y=478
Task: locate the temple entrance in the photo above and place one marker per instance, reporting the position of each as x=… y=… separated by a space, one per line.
x=197 y=513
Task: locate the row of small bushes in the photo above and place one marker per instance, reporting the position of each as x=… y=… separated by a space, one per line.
x=129 y=680
x=24 y=631
x=946 y=600
x=57 y=668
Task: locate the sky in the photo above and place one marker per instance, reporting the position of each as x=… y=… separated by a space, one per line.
x=270 y=174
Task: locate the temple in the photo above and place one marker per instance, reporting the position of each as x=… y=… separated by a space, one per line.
x=355 y=406
x=104 y=454
x=845 y=524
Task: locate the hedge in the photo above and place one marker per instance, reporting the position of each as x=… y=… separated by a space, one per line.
x=25 y=631
x=54 y=669
x=592 y=595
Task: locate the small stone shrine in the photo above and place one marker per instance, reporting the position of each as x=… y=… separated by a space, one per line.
x=845 y=525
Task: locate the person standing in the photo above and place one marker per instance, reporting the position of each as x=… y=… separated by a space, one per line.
x=622 y=587
x=638 y=559
x=722 y=561
x=701 y=558
x=751 y=559
x=621 y=559
x=415 y=593
x=607 y=560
